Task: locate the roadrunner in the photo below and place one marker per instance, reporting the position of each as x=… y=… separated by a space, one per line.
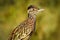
x=26 y=28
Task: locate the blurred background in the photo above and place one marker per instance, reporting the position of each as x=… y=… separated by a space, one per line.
x=13 y=12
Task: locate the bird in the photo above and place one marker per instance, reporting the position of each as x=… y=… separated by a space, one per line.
x=25 y=29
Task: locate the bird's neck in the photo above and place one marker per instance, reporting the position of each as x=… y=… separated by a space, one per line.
x=32 y=16
x=32 y=20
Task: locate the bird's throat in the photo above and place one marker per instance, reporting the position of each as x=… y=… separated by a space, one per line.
x=31 y=16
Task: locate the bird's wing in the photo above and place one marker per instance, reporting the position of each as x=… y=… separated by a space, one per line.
x=21 y=31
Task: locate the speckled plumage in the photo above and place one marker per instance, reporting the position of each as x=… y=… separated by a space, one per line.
x=24 y=30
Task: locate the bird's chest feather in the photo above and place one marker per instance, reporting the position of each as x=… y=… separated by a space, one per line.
x=31 y=20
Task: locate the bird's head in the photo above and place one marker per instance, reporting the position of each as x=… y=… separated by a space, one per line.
x=34 y=10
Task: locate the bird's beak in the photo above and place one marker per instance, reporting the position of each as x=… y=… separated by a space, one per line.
x=40 y=10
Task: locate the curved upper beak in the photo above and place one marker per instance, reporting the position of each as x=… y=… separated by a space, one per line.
x=40 y=10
